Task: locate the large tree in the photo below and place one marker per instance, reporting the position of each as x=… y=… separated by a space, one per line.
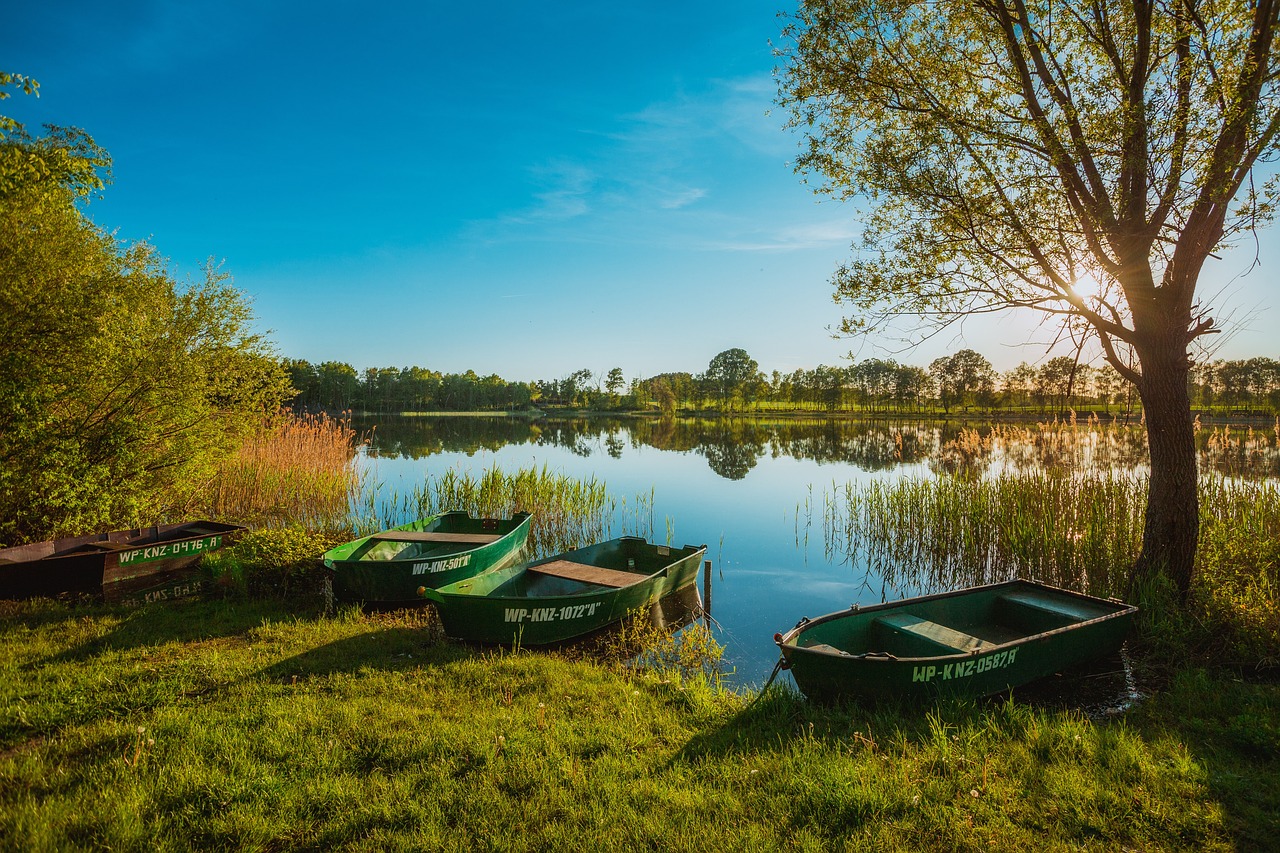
x=1081 y=157
x=731 y=376
x=963 y=378
x=120 y=389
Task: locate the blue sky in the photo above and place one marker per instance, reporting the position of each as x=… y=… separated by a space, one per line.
x=515 y=188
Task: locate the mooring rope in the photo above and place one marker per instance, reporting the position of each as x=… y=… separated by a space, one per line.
x=777 y=668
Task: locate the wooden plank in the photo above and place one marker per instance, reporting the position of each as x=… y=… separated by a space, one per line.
x=940 y=634
x=824 y=647
x=1072 y=608
x=590 y=574
x=420 y=536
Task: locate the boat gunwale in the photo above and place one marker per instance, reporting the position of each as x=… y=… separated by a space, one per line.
x=519 y=569
x=786 y=646
x=354 y=545
x=130 y=538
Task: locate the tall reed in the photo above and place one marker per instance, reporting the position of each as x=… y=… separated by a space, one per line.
x=1076 y=531
x=1243 y=450
x=1082 y=531
x=567 y=512
x=1237 y=588
x=296 y=469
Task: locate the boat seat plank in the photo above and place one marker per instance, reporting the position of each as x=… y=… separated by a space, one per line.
x=939 y=634
x=583 y=572
x=109 y=546
x=826 y=647
x=1077 y=611
x=423 y=536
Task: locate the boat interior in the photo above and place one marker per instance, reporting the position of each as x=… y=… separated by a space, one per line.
x=954 y=625
x=445 y=534
x=609 y=565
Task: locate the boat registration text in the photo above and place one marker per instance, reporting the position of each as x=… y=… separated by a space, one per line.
x=441 y=565
x=966 y=668
x=186 y=547
x=551 y=614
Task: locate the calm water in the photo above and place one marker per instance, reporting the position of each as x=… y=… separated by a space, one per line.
x=751 y=490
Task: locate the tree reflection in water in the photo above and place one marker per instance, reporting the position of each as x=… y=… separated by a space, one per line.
x=732 y=446
x=1059 y=502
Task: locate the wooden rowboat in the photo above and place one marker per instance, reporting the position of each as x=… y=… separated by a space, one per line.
x=566 y=596
x=387 y=568
x=123 y=566
x=972 y=642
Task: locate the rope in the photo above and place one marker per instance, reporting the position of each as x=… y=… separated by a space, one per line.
x=777 y=668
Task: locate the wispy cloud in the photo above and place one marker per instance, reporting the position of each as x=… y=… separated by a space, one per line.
x=816 y=235
x=735 y=111
x=674 y=198
x=690 y=171
x=566 y=193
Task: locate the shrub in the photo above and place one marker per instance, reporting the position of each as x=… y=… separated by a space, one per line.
x=272 y=561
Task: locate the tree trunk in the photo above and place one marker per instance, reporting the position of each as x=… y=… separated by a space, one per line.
x=1172 y=525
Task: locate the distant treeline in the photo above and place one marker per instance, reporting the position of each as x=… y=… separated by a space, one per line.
x=733 y=382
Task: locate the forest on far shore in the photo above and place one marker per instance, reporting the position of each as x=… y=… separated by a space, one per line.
x=733 y=381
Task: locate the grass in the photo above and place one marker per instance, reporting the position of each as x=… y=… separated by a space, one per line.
x=257 y=722
x=263 y=725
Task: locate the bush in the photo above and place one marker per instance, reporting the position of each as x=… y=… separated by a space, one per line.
x=272 y=561
x=1237 y=595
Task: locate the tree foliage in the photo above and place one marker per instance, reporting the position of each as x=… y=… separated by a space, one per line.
x=732 y=376
x=119 y=388
x=1019 y=150
x=965 y=377
x=1078 y=158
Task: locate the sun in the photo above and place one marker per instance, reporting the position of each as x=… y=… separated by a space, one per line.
x=1089 y=286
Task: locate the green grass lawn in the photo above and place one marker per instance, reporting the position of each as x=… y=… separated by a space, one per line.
x=265 y=726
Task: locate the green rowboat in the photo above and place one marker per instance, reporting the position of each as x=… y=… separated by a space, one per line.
x=386 y=569
x=972 y=642
x=566 y=596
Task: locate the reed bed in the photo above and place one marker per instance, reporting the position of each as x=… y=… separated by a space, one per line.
x=294 y=470
x=1243 y=451
x=567 y=512
x=1079 y=531
x=1073 y=444
x=1237 y=588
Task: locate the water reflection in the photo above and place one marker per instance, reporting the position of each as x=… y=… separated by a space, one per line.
x=732 y=447
x=1101 y=688
x=773 y=499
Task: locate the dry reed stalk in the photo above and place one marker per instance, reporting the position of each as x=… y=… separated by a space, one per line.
x=295 y=469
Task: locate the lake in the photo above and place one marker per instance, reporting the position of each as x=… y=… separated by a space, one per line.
x=756 y=491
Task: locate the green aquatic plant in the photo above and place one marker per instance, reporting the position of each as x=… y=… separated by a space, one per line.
x=1080 y=531
x=567 y=512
